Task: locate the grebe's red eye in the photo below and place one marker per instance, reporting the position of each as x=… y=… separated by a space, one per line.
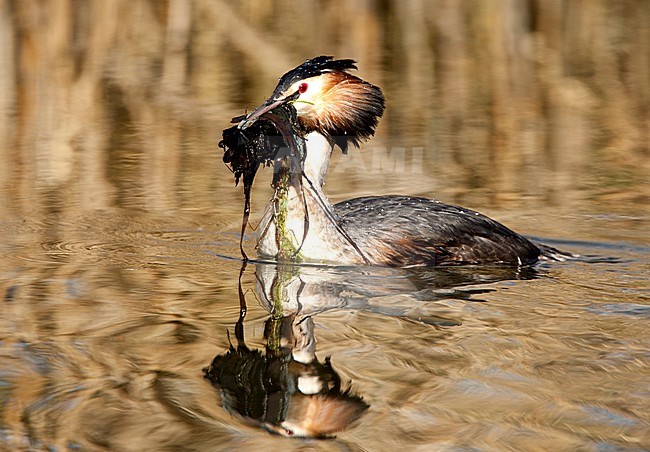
x=302 y=88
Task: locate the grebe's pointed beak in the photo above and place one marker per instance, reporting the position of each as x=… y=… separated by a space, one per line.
x=266 y=107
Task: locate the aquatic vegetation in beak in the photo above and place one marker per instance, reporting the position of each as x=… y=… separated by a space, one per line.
x=275 y=138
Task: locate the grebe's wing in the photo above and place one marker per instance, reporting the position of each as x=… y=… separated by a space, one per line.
x=404 y=230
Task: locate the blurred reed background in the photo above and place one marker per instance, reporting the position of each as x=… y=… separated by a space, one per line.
x=120 y=103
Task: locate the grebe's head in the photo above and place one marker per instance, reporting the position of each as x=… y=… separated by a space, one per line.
x=328 y=99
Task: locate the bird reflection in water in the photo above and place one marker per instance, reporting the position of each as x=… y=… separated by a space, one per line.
x=285 y=388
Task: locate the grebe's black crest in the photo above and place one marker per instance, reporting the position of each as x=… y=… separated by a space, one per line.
x=313 y=68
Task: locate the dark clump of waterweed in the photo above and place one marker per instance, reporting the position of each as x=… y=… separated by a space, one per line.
x=273 y=136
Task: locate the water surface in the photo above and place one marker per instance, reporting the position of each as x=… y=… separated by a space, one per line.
x=120 y=274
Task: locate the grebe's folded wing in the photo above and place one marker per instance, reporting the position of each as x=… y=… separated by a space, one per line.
x=404 y=230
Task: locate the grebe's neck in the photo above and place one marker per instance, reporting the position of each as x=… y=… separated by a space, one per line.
x=300 y=224
x=317 y=161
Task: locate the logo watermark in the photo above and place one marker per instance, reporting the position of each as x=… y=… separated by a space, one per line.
x=381 y=160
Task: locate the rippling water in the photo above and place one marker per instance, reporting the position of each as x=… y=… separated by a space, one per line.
x=121 y=284
x=105 y=340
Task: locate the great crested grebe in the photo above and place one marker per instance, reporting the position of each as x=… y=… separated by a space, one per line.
x=333 y=107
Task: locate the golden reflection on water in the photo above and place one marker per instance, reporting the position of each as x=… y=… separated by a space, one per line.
x=114 y=202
